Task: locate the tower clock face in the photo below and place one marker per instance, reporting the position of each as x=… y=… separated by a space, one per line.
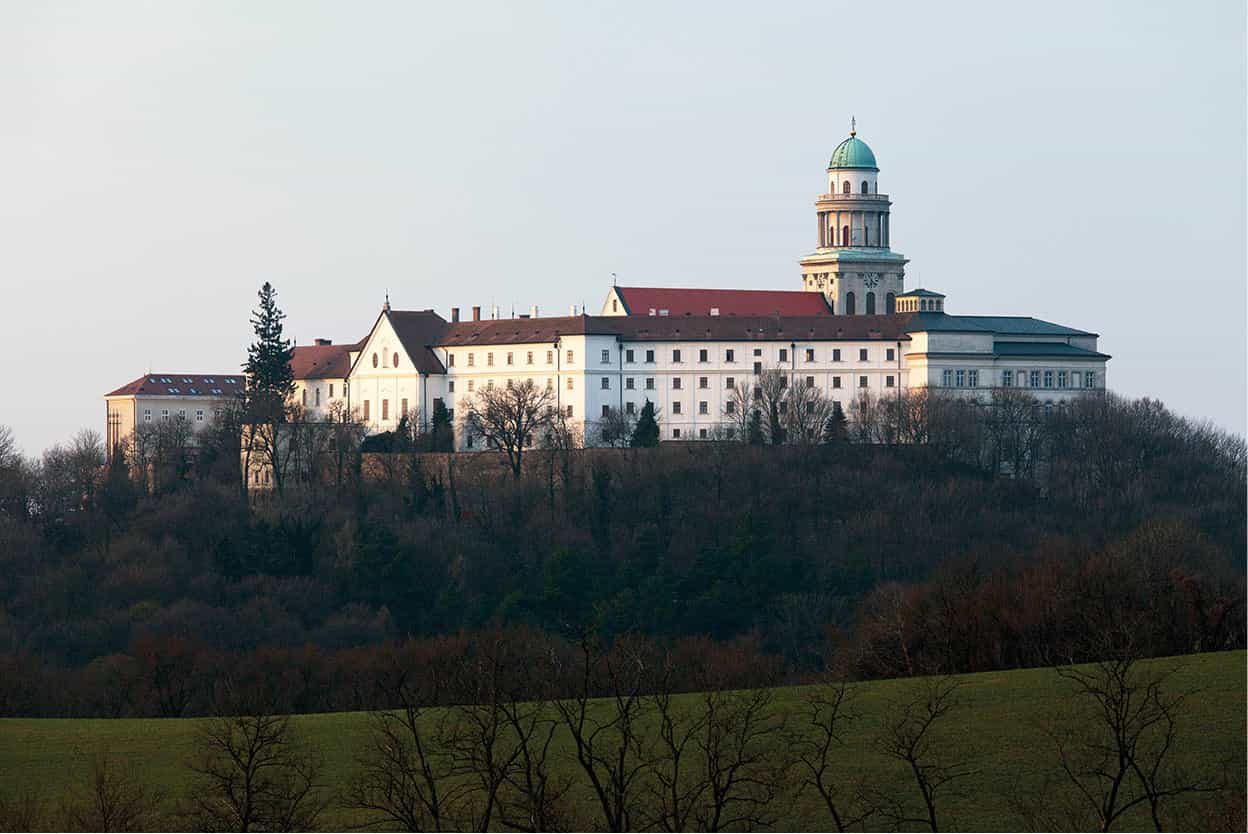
x=871 y=279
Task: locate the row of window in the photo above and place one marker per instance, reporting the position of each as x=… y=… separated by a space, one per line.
x=1043 y=378
x=630 y=383
x=181 y=414
x=630 y=356
x=385 y=409
x=318 y=394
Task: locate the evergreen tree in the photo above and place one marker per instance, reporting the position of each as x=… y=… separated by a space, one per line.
x=646 y=433
x=754 y=434
x=442 y=437
x=834 y=428
x=270 y=380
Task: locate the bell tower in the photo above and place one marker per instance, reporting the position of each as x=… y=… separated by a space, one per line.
x=853 y=265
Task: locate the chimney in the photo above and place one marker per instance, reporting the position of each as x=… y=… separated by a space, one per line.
x=533 y=312
x=454 y=314
x=572 y=310
x=323 y=342
x=476 y=312
x=494 y=311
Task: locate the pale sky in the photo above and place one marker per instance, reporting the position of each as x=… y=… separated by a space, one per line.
x=1080 y=162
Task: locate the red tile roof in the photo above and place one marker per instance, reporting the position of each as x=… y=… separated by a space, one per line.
x=183 y=385
x=678 y=301
x=321 y=361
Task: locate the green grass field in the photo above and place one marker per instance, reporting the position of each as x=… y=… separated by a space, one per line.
x=998 y=726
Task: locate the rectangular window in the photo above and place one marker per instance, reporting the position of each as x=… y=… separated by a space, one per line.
x=836 y=354
x=729 y=383
x=784 y=382
x=758 y=351
x=836 y=382
x=628 y=383
x=703 y=407
x=862 y=382
x=1048 y=379
x=470 y=386
x=810 y=382
x=199 y=415
x=676 y=407
x=629 y=408
x=403 y=407
x=702 y=433
x=1062 y=381
x=1007 y=379
x=649 y=383
x=701 y=355
x=810 y=354
x=758 y=367
x=318 y=395
x=888 y=381
x=676 y=383
x=385 y=409
x=890 y=354
x=570 y=357
x=303 y=397
x=862 y=354
x=784 y=354
x=471 y=357
x=628 y=356
x=960 y=375
x=730 y=407
x=1089 y=379
x=606 y=383
x=450 y=386
x=704 y=382
x=650 y=356
x=511 y=358
x=1074 y=379
x=366 y=409
x=528 y=358
x=676 y=356
x=730 y=355
x=164 y=414
x=606 y=411
x=568 y=411
x=569 y=383
x=147 y=415
x=946 y=378
x=972 y=378
x=783 y=405
x=1034 y=379
x=550 y=384
x=331 y=390
x=676 y=434
x=489 y=359
x=606 y=357
x=550 y=357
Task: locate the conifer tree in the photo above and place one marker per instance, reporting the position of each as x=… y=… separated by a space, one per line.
x=442 y=434
x=646 y=433
x=754 y=435
x=834 y=428
x=270 y=380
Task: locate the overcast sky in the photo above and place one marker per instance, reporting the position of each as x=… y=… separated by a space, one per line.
x=1080 y=162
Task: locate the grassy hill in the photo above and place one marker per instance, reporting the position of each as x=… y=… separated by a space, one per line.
x=998 y=725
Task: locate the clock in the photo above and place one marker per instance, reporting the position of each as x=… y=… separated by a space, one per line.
x=871 y=279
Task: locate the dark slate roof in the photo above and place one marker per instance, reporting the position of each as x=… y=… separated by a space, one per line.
x=521 y=331
x=1023 y=326
x=321 y=361
x=922 y=292
x=420 y=331
x=1057 y=349
x=183 y=385
x=687 y=301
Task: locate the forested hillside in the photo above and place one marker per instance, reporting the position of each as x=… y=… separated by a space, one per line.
x=884 y=558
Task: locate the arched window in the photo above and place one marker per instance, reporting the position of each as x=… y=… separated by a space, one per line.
x=845 y=188
x=844 y=236
x=374 y=360
x=849 y=304
x=870 y=304
x=890 y=303
x=866 y=188
x=923 y=304
x=396 y=359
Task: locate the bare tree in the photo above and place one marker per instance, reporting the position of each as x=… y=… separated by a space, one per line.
x=347 y=431
x=406 y=766
x=1119 y=755
x=607 y=736
x=910 y=737
x=508 y=417
x=254 y=774
x=739 y=407
x=818 y=742
x=117 y=800
x=615 y=428
x=807 y=413
x=771 y=398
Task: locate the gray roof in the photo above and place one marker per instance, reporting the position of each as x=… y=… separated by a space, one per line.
x=922 y=292
x=1000 y=325
x=1059 y=349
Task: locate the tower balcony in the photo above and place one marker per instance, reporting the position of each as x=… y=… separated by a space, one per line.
x=854 y=197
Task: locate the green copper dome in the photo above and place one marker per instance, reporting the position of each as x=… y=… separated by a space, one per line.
x=853 y=153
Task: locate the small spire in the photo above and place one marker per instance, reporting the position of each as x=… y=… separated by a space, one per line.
x=853 y=126
x=386 y=306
